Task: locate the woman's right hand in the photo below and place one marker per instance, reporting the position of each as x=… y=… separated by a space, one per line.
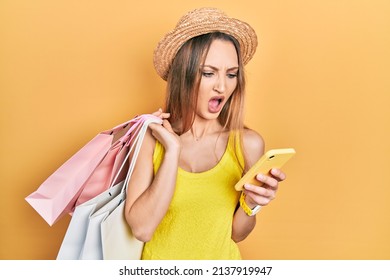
x=165 y=134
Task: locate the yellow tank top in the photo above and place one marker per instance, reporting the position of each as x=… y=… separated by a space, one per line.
x=198 y=223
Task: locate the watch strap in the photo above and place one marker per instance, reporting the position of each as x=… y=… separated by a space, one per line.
x=249 y=211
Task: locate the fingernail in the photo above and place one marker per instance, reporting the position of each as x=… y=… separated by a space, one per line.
x=260 y=176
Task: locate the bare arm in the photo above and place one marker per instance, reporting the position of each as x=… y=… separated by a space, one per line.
x=253 y=145
x=255 y=195
x=149 y=196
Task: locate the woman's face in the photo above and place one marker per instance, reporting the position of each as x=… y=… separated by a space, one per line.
x=219 y=79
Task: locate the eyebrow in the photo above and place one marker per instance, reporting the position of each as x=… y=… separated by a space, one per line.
x=217 y=69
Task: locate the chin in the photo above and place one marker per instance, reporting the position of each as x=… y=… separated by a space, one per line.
x=212 y=116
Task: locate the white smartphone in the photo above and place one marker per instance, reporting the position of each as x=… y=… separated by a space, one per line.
x=272 y=159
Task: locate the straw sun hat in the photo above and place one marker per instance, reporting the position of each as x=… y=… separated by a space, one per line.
x=198 y=22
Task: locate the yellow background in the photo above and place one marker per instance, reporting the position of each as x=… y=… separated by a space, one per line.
x=319 y=82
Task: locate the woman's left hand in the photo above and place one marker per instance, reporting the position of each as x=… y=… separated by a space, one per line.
x=264 y=194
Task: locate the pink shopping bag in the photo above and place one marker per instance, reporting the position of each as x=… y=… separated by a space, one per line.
x=57 y=195
x=106 y=173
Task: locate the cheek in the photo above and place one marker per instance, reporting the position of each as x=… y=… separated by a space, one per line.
x=204 y=91
x=201 y=97
x=206 y=85
x=231 y=86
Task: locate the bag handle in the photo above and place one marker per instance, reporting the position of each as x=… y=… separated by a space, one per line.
x=135 y=141
x=140 y=137
x=135 y=123
x=116 y=129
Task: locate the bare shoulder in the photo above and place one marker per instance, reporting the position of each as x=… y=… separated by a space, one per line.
x=253 y=145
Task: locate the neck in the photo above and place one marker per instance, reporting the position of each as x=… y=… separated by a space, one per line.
x=202 y=128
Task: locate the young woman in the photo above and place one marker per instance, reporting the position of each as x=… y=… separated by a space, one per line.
x=181 y=199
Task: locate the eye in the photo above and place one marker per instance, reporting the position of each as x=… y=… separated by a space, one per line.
x=232 y=75
x=207 y=74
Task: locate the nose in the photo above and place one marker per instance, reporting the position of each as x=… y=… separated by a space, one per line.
x=220 y=84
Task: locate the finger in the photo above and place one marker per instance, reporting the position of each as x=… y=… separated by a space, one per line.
x=157 y=113
x=155 y=126
x=278 y=174
x=165 y=115
x=269 y=181
x=157 y=131
x=167 y=125
x=161 y=114
x=257 y=199
x=260 y=191
x=161 y=129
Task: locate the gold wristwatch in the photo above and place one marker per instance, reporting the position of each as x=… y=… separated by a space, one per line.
x=250 y=212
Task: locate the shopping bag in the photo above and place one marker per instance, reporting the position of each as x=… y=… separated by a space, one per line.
x=92 y=247
x=117 y=240
x=74 y=239
x=83 y=239
x=57 y=195
x=102 y=177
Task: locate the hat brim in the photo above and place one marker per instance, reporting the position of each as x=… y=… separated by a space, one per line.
x=168 y=47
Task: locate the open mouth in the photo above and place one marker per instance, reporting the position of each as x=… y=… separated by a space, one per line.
x=215 y=104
